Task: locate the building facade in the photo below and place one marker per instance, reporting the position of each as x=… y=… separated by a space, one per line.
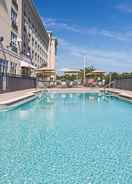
x=25 y=44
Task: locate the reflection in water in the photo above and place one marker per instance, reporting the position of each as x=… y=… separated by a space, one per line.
x=66 y=141
x=24 y=114
x=68 y=101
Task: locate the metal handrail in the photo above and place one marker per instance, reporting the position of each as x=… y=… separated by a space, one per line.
x=107 y=85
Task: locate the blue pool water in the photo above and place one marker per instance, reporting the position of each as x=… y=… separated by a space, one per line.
x=67 y=139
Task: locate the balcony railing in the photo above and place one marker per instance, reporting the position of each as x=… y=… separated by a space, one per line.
x=14 y=2
x=44 y=65
x=13 y=47
x=14 y=25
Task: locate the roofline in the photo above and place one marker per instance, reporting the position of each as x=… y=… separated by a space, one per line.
x=38 y=15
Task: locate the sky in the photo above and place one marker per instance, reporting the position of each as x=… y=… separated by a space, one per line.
x=98 y=30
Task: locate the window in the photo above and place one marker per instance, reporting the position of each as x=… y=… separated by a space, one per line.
x=13 y=39
x=33 y=28
x=13 y=16
x=25 y=30
x=14 y=19
x=13 y=68
x=3 y=66
x=33 y=54
x=36 y=45
x=15 y=3
x=32 y=42
x=24 y=51
x=24 y=44
x=13 y=43
x=25 y=14
x=29 y=20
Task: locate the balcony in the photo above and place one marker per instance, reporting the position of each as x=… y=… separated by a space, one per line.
x=14 y=2
x=13 y=47
x=14 y=26
x=45 y=64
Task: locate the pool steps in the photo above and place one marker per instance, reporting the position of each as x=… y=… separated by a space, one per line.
x=18 y=101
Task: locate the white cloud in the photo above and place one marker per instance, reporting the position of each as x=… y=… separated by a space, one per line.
x=121 y=36
x=67 y=26
x=124 y=7
x=71 y=55
x=108 y=60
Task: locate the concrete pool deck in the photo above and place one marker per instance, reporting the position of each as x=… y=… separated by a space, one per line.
x=13 y=97
x=122 y=93
x=9 y=98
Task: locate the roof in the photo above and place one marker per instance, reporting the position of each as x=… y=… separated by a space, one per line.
x=26 y=65
x=45 y=70
x=95 y=72
x=70 y=70
x=98 y=71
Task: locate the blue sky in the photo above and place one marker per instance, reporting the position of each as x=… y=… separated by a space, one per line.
x=98 y=29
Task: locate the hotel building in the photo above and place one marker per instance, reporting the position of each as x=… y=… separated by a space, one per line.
x=25 y=44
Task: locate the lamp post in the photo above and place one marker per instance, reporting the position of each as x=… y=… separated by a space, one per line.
x=4 y=74
x=19 y=44
x=84 y=70
x=110 y=79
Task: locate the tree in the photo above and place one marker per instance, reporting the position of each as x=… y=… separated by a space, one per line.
x=88 y=69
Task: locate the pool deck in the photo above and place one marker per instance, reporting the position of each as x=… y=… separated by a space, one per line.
x=122 y=93
x=117 y=92
x=13 y=97
x=10 y=98
x=16 y=96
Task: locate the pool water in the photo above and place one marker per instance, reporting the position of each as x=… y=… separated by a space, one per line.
x=67 y=139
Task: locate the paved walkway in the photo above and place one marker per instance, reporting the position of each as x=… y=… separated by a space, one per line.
x=10 y=97
x=120 y=92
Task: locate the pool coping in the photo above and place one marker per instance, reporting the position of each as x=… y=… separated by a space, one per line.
x=17 y=104
x=121 y=93
x=19 y=100
x=25 y=97
x=74 y=90
x=33 y=94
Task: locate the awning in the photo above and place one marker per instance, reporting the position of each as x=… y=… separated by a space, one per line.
x=32 y=66
x=70 y=70
x=27 y=65
x=46 y=70
x=98 y=71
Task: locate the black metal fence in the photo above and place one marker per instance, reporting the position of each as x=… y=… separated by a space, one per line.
x=1 y=82
x=125 y=84
x=10 y=82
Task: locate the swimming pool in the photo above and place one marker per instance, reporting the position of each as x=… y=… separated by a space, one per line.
x=67 y=139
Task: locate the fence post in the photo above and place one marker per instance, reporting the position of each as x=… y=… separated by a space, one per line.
x=4 y=81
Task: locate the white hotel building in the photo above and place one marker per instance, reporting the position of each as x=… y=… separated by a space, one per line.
x=25 y=44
